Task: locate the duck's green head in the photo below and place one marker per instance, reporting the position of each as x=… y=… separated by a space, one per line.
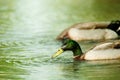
x=69 y=45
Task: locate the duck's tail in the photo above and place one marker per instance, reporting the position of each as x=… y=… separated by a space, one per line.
x=114 y=25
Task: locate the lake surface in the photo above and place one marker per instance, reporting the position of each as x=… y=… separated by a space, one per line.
x=28 y=29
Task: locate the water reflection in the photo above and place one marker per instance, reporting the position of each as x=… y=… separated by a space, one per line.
x=87 y=70
x=9 y=70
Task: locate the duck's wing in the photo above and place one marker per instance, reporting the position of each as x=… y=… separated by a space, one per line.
x=103 y=46
x=92 y=25
x=108 y=45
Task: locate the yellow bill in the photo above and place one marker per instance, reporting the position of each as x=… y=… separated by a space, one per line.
x=60 y=51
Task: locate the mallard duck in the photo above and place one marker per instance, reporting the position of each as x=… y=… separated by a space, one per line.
x=92 y=31
x=104 y=51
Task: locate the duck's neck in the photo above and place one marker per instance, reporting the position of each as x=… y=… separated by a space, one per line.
x=77 y=51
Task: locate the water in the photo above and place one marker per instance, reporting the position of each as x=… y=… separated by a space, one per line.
x=28 y=29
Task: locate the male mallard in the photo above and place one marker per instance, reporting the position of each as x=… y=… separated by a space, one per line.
x=109 y=50
x=92 y=31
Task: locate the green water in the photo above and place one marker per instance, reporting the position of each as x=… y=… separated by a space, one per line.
x=28 y=29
